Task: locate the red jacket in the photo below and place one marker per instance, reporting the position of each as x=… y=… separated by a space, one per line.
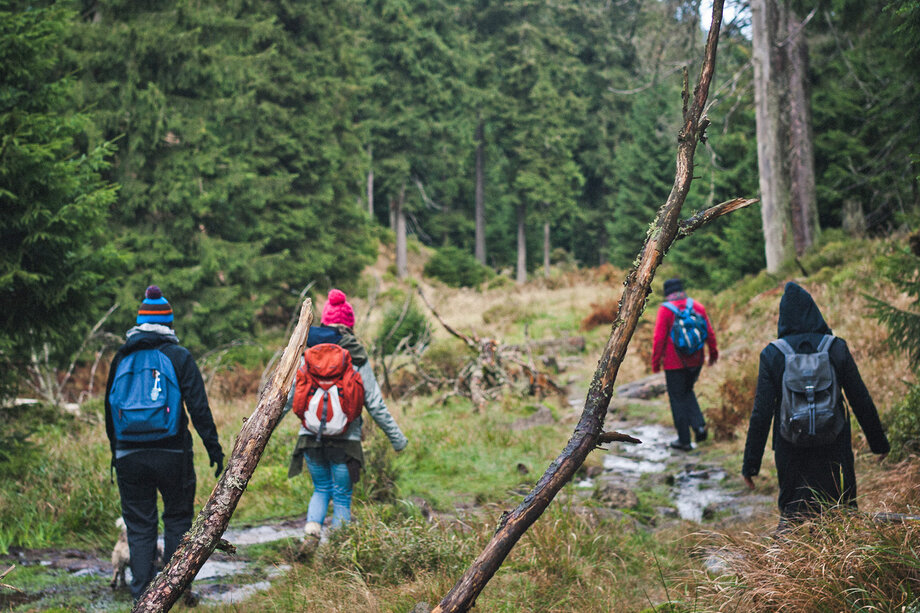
x=663 y=349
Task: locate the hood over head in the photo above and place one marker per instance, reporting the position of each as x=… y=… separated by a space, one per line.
x=798 y=313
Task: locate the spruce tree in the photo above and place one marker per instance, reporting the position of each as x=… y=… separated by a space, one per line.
x=239 y=157
x=55 y=260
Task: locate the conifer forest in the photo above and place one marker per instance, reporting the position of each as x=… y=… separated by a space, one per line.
x=463 y=170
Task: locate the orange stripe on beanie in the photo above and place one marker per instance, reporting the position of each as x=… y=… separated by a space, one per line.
x=154 y=309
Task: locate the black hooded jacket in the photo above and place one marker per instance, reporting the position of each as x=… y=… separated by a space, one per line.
x=802 y=472
x=193 y=397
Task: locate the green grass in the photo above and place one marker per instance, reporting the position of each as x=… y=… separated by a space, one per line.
x=55 y=489
x=59 y=590
x=456 y=455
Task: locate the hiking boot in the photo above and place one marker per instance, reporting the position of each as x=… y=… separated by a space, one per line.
x=676 y=444
x=311 y=535
x=312 y=531
x=701 y=434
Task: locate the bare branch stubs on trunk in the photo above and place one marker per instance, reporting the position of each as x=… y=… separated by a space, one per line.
x=206 y=531
x=495 y=366
x=616 y=437
x=587 y=433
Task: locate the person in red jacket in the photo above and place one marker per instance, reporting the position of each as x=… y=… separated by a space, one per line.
x=681 y=371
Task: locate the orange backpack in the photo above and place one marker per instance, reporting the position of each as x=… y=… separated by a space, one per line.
x=329 y=392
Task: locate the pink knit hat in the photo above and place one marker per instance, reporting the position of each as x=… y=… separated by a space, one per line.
x=337 y=310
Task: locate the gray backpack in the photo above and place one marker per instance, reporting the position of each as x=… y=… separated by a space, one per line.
x=811 y=413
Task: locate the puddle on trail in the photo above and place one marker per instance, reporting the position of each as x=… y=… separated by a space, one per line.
x=85 y=576
x=212 y=570
x=695 y=490
x=255 y=535
x=235 y=594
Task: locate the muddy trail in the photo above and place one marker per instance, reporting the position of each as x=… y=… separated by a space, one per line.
x=688 y=488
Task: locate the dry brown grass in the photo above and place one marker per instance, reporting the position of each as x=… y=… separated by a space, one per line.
x=841 y=562
x=736 y=395
x=235 y=382
x=889 y=488
x=603 y=313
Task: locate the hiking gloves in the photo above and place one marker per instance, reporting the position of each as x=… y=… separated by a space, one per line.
x=217 y=458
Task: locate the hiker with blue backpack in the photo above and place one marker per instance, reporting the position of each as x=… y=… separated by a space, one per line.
x=682 y=330
x=333 y=384
x=799 y=385
x=151 y=377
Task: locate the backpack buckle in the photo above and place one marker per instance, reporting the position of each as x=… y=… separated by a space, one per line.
x=810 y=394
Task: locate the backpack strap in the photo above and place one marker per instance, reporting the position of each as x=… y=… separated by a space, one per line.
x=671 y=307
x=689 y=306
x=783 y=346
x=825 y=343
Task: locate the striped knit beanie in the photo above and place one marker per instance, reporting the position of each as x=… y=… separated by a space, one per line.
x=154 y=309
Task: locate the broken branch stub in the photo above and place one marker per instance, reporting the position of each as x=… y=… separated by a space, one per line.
x=638 y=286
x=205 y=534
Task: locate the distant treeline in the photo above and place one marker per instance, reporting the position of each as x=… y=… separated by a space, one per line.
x=234 y=151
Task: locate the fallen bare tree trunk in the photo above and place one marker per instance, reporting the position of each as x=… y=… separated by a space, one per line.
x=589 y=431
x=204 y=535
x=495 y=364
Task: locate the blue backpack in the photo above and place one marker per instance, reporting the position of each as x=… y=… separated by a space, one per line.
x=689 y=330
x=145 y=397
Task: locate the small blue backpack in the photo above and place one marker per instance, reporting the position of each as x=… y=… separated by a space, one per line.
x=689 y=330
x=145 y=397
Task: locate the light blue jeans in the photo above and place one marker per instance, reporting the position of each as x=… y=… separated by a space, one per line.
x=331 y=481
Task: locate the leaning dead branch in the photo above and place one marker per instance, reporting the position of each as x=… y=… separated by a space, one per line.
x=205 y=535
x=588 y=432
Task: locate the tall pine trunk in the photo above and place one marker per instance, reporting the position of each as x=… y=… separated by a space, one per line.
x=402 y=260
x=480 y=195
x=785 y=153
x=546 y=248
x=370 y=183
x=521 y=244
x=801 y=141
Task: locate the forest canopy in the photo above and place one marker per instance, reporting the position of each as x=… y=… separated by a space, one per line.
x=235 y=151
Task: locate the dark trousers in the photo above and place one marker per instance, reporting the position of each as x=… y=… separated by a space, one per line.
x=140 y=476
x=812 y=479
x=684 y=408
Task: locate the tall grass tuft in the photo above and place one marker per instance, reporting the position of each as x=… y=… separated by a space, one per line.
x=843 y=561
x=54 y=482
x=394 y=550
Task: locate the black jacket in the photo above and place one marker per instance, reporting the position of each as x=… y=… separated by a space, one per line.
x=803 y=473
x=190 y=385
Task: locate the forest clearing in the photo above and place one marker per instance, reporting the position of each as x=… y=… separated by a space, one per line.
x=487 y=228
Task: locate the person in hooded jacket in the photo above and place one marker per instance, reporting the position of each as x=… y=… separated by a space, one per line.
x=681 y=371
x=165 y=465
x=812 y=476
x=335 y=462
